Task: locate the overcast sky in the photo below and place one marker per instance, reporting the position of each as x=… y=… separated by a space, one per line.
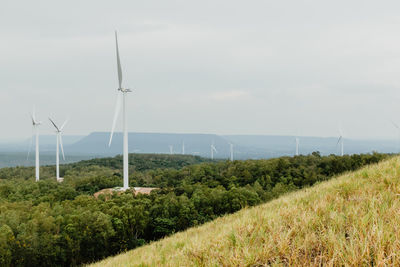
x=221 y=66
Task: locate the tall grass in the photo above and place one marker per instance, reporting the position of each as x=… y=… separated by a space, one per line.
x=352 y=220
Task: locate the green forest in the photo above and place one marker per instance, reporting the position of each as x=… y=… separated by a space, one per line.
x=62 y=224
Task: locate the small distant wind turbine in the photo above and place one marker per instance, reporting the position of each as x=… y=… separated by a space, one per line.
x=297 y=146
x=213 y=149
x=183 y=148
x=124 y=92
x=171 y=149
x=59 y=144
x=340 y=140
x=398 y=138
x=35 y=126
x=231 y=150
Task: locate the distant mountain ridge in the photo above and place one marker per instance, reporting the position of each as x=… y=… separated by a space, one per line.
x=196 y=144
x=245 y=146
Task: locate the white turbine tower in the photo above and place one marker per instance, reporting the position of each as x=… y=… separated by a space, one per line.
x=124 y=92
x=171 y=149
x=213 y=149
x=340 y=140
x=59 y=144
x=231 y=150
x=297 y=146
x=183 y=148
x=35 y=125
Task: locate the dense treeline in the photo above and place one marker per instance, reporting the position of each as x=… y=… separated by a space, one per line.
x=143 y=162
x=137 y=162
x=51 y=224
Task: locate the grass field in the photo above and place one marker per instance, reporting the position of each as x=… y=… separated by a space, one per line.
x=352 y=220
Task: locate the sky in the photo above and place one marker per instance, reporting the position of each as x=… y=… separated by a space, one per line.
x=304 y=68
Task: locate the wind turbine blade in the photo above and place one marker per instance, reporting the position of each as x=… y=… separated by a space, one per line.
x=61 y=145
x=33 y=119
x=116 y=113
x=395 y=125
x=54 y=124
x=340 y=138
x=33 y=115
x=65 y=122
x=118 y=62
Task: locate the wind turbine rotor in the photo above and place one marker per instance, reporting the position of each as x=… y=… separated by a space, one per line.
x=33 y=116
x=63 y=125
x=116 y=113
x=33 y=120
x=54 y=124
x=119 y=69
x=124 y=118
x=58 y=131
x=340 y=138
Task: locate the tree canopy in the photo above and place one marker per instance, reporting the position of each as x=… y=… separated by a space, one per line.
x=61 y=224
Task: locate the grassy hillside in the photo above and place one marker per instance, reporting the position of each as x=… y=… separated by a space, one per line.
x=351 y=220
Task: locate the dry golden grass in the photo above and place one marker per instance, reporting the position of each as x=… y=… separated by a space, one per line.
x=352 y=220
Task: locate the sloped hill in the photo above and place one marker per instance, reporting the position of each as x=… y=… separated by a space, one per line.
x=353 y=220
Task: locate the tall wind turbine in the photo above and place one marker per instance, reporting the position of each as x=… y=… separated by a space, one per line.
x=340 y=140
x=213 y=149
x=171 y=149
x=297 y=146
x=124 y=92
x=59 y=144
x=35 y=125
x=231 y=149
x=183 y=148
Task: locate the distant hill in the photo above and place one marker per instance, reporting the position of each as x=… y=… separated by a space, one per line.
x=245 y=146
x=195 y=144
x=268 y=146
x=347 y=221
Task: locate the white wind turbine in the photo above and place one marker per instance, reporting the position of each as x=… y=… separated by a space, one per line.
x=213 y=149
x=59 y=144
x=124 y=92
x=340 y=140
x=183 y=148
x=35 y=125
x=171 y=149
x=297 y=146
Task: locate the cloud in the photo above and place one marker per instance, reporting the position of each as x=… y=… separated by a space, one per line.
x=229 y=95
x=276 y=69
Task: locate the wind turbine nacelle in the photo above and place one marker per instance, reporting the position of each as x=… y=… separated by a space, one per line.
x=124 y=90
